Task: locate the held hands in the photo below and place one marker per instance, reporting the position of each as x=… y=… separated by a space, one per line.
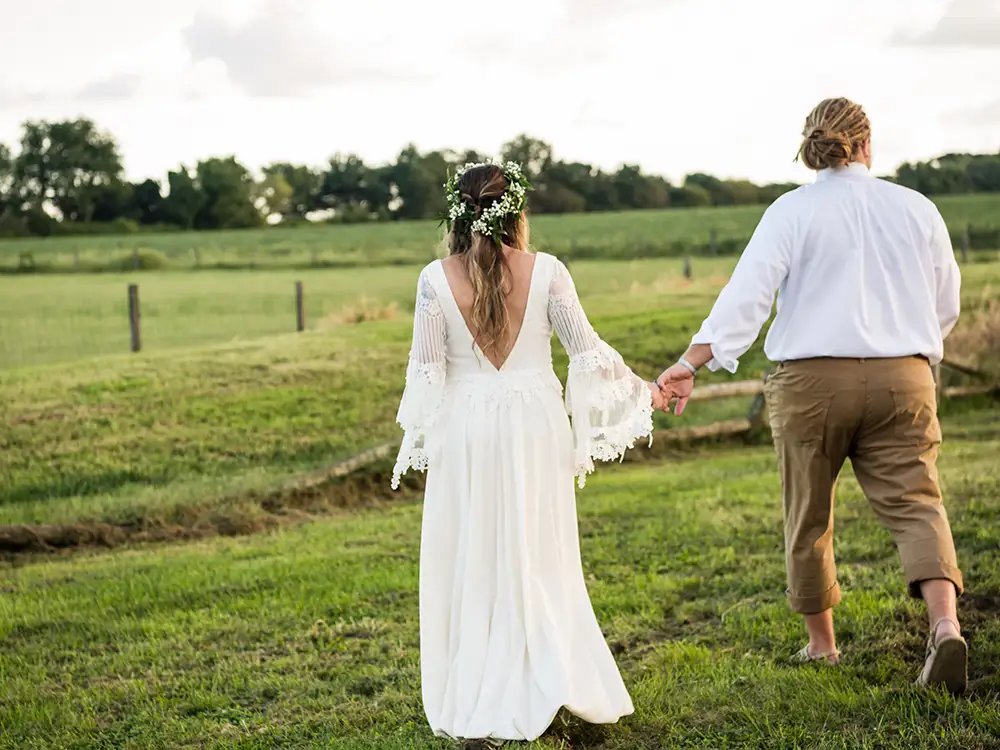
x=675 y=384
x=660 y=401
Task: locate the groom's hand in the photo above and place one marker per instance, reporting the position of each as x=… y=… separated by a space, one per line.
x=676 y=382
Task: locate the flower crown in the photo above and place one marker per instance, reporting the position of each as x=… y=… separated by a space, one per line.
x=490 y=221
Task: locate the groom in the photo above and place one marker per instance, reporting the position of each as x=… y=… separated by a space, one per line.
x=868 y=288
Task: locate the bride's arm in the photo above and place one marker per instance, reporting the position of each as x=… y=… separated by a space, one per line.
x=611 y=407
x=425 y=377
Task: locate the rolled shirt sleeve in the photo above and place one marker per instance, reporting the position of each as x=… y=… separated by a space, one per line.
x=746 y=301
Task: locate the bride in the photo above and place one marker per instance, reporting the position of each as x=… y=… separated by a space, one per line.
x=507 y=632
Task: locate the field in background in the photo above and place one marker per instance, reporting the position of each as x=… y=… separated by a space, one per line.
x=307 y=636
x=64 y=318
x=123 y=437
x=47 y=319
x=669 y=233
x=149 y=437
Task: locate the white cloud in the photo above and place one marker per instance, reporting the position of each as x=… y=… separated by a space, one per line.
x=113 y=88
x=674 y=85
x=280 y=52
x=985 y=115
x=965 y=24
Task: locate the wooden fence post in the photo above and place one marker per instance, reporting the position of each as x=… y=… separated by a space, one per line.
x=966 y=242
x=133 y=316
x=300 y=308
x=758 y=408
x=688 y=270
x=937 y=381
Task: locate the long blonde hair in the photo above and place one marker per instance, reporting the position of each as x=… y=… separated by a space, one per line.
x=833 y=133
x=483 y=257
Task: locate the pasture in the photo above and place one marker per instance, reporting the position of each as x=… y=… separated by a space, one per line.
x=663 y=233
x=304 y=634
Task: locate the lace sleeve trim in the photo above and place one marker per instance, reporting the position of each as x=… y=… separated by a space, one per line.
x=620 y=409
x=418 y=412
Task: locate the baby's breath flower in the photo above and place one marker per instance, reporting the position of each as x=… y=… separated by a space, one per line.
x=490 y=221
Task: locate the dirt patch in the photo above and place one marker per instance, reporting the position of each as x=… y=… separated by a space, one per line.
x=232 y=516
x=357 y=483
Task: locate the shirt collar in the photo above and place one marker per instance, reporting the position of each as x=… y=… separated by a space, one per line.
x=854 y=169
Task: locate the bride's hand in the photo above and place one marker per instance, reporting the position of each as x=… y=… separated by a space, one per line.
x=659 y=402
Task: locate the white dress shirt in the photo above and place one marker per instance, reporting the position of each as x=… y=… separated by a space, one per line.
x=863 y=268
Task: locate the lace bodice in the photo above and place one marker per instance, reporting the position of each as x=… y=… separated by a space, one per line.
x=610 y=407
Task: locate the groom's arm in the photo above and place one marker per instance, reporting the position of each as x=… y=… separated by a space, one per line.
x=746 y=301
x=743 y=306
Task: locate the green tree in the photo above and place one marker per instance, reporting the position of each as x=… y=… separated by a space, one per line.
x=417 y=182
x=67 y=164
x=344 y=183
x=768 y=194
x=742 y=192
x=984 y=174
x=636 y=190
x=275 y=195
x=8 y=185
x=557 y=198
x=534 y=155
x=184 y=199
x=305 y=188
x=112 y=201
x=717 y=191
x=228 y=189
x=147 y=205
x=690 y=196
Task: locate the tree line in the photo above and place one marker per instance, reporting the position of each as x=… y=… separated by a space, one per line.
x=67 y=177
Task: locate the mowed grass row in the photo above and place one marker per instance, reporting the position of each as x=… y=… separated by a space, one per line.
x=617 y=235
x=130 y=439
x=309 y=637
x=141 y=437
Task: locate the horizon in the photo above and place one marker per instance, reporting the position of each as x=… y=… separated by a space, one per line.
x=267 y=81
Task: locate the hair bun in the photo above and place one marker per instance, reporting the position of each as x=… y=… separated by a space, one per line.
x=832 y=133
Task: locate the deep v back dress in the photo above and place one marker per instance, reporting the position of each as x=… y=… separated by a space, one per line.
x=507 y=632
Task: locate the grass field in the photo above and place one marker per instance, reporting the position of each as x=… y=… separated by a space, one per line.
x=110 y=438
x=305 y=635
x=631 y=234
x=307 y=638
x=48 y=319
x=129 y=438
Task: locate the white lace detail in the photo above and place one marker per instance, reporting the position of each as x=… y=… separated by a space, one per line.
x=563 y=302
x=423 y=397
x=496 y=390
x=428 y=306
x=611 y=408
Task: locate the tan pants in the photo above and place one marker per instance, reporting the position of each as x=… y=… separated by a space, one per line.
x=882 y=414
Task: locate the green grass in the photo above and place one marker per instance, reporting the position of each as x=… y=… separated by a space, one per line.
x=606 y=235
x=118 y=438
x=132 y=439
x=308 y=637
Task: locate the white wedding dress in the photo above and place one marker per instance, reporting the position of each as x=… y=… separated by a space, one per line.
x=507 y=632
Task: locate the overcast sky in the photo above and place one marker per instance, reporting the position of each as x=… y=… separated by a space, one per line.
x=676 y=86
